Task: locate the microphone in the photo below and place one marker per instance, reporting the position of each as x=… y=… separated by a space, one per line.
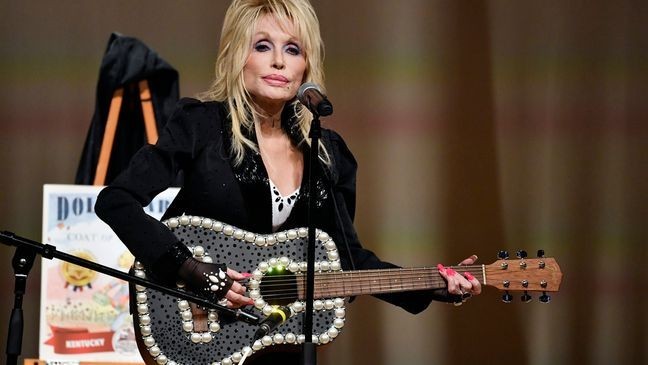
x=278 y=316
x=312 y=97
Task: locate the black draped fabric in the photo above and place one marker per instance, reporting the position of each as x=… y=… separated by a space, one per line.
x=126 y=62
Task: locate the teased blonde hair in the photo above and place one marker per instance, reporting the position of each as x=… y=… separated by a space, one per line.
x=235 y=46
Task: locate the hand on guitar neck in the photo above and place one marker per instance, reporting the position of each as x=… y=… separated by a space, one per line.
x=460 y=286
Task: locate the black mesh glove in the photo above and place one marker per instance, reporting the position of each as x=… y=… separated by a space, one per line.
x=208 y=280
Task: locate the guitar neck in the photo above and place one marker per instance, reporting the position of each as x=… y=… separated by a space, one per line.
x=361 y=282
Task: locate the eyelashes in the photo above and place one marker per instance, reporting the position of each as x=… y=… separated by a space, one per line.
x=265 y=46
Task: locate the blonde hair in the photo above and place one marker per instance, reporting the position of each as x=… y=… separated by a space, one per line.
x=235 y=46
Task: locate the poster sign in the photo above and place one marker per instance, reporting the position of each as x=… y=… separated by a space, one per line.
x=84 y=314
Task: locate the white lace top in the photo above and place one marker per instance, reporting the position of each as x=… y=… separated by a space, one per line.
x=281 y=205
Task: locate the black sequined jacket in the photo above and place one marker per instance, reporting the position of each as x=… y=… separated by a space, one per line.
x=196 y=141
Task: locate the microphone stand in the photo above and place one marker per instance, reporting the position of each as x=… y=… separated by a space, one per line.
x=308 y=347
x=23 y=260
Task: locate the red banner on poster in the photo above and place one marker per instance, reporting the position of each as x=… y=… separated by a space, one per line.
x=79 y=341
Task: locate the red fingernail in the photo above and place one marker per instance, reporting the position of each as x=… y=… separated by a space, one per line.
x=441 y=268
x=450 y=272
x=468 y=275
x=246 y=274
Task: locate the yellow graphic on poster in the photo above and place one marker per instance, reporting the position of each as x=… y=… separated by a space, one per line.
x=85 y=314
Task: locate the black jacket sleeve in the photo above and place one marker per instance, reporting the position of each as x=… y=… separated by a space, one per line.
x=152 y=170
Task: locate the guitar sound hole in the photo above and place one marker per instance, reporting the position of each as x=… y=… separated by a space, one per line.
x=279 y=288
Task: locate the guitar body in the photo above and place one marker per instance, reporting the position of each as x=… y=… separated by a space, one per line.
x=172 y=331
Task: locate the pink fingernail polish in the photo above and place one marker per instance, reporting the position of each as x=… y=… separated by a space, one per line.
x=441 y=268
x=247 y=274
x=469 y=275
x=450 y=272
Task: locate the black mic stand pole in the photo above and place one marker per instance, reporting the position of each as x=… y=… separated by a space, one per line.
x=308 y=348
x=23 y=260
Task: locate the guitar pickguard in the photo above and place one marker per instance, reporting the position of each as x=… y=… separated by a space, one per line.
x=166 y=325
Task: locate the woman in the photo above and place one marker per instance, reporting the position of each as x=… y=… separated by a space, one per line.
x=242 y=153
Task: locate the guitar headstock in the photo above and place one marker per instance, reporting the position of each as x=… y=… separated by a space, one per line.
x=540 y=274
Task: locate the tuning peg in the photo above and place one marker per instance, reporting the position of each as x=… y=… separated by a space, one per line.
x=507 y=297
x=503 y=255
x=544 y=298
x=526 y=298
x=540 y=253
x=521 y=254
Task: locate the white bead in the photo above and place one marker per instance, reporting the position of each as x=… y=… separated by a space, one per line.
x=325 y=266
x=324 y=338
x=263 y=266
x=257 y=345
x=271 y=240
x=333 y=332
x=340 y=312
x=207 y=223
x=272 y=262
x=317 y=266
x=267 y=310
x=318 y=305
x=259 y=303
x=206 y=337
x=141 y=297
x=196 y=221
x=228 y=230
x=315 y=339
x=339 y=302
x=293 y=266
x=330 y=245
x=180 y=284
x=323 y=236
x=303 y=266
x=196 y=337
x=145 y=319
x=227 y=361
x=173 y=223
x=138 y=265
x=332 y=255
x=140 y=288
x=290 y=337
x=282 y=237
x=247 y=351
x=238 y=234
x=292 y=234
x=254 y=294
x=298 y=307
x=198 y=251
x=301 y=339
x=260 y=241
x=183 y=305
x=149 y=341
x=278 y=338
x=207 y=259
x=186 y=315
x=142 y=308
x=266 y=340
x=250 y=237
x=184 y=220
x=154 y=351
x=328 y=304
x=214 y=327
x=302 y=232
x=214 y=287
x=236 y=357
x=187 y=326
x=212 y=316
x=338 y=323
x=336 y=265
x=161 y=360
x=172 y=363
x=257 y=274
x=284 y=261
x=253 y=284
x=145 y=330
x=218 y=226
x=140 y=274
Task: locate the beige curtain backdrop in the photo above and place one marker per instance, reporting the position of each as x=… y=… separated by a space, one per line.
x=478 y=126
